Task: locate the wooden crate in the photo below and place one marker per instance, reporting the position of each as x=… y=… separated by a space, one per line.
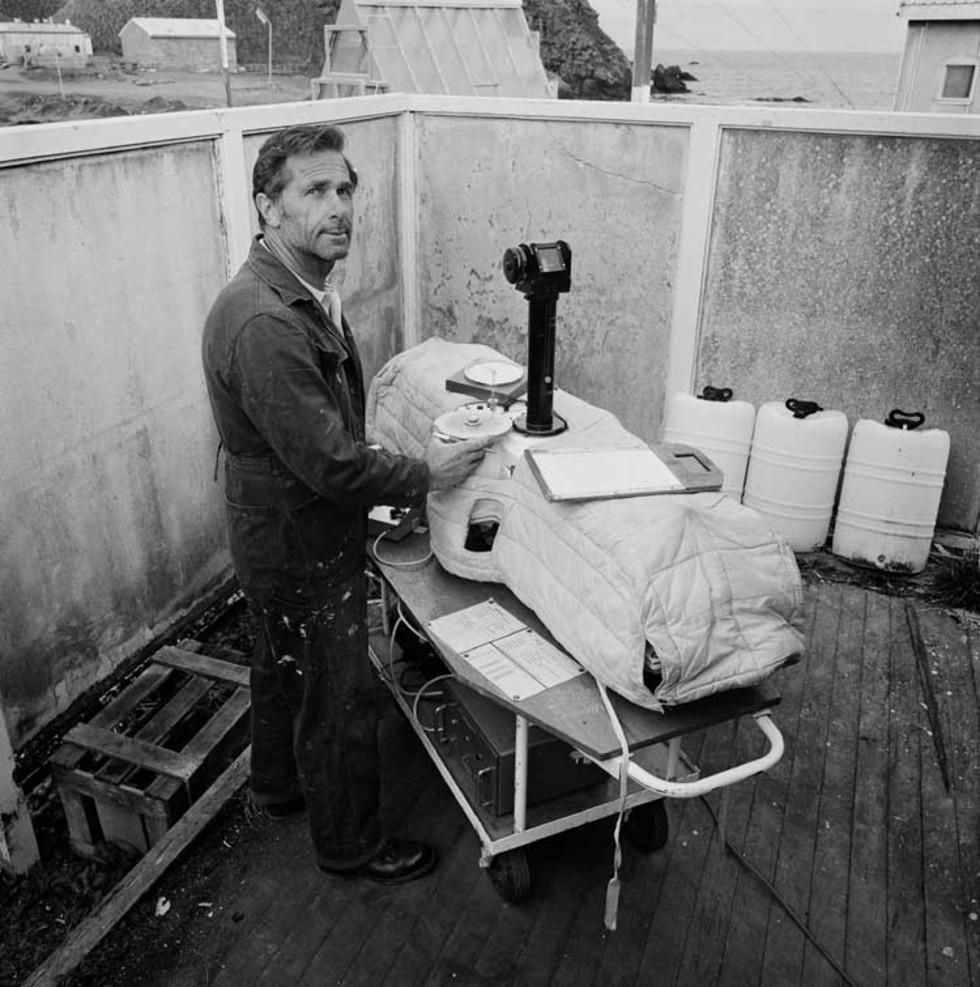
x=130 y=773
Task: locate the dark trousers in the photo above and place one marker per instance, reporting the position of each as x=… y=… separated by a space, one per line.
x=315 y=721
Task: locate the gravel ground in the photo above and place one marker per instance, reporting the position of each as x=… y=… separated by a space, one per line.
x=107 y=89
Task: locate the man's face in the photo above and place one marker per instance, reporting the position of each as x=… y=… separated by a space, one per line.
x=313 y=215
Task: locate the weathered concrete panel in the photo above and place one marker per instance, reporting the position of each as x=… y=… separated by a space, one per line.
x=370 y=279
x=612 y=191
x=111 y=517
x=843 y=269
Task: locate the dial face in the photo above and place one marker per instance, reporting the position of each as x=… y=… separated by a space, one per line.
x=494 y=373
x=549 y=258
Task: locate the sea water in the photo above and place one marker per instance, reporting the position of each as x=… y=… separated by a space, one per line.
x=837 y=80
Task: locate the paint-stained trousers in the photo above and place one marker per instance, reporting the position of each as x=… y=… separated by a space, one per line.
x=315 y=722
x=300 y=562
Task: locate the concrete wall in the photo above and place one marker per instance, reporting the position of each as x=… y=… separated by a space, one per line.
x=109 y=520
x=614 y=193
x=929 y=45
x=843 y=269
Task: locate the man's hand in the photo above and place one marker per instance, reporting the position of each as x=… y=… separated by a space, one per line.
x=452 y=462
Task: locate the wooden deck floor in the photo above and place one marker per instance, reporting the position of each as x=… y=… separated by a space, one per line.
x=854 y=828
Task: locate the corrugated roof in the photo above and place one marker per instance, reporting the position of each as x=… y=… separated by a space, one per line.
x=179 y=27
x=461 y=47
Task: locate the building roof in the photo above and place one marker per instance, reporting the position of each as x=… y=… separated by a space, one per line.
x=178 y=27
x=940 y=10
x=459 y=47
x=41 y=27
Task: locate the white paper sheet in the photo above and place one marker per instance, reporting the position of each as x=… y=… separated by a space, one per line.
x=585 y=474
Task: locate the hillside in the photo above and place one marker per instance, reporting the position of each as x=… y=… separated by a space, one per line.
x=573 y=47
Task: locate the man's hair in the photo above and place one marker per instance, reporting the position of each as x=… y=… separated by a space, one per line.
x=269 y=173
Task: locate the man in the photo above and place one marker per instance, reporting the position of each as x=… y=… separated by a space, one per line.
x=287 y=392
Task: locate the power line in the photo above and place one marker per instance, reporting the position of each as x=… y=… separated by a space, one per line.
x=759 y=40
x=820 y=66
x=688 y=45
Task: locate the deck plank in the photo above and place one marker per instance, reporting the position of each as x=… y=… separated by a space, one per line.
x=947 y=925
x=827 y=908
x=745 y=940
x=785 y=943
x=569 y=863
x=685 y=856
x=867 y=924
x=906 y=919
x=703 y=948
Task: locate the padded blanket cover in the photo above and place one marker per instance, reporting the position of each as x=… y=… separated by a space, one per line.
x=704 y=583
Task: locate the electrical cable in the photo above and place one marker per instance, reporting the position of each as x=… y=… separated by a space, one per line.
x=421 y=692
x=713 y=55
x=819 y=65
x=770 y=887
x=410 y=564
x=756 y=38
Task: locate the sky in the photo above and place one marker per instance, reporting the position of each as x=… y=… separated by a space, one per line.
x=760 y=25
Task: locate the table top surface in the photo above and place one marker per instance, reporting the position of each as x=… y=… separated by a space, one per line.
x=574 y=710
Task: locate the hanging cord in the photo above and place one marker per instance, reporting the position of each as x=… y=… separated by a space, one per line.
x=402 y=621
x=612 y=889
x=770 y=887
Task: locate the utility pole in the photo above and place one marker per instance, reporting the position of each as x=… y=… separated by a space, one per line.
x=264 y=18
x=223 y=42
x=646 y=15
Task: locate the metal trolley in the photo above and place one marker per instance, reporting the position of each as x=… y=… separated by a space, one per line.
x=652 y=769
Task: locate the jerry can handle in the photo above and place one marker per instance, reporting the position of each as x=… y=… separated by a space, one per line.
x=716 y=393
x=802 y=409
x=904 y=419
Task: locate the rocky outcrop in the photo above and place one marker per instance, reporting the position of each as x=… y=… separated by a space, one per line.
x=671 y=79
x=587 y=63
x=574 y=49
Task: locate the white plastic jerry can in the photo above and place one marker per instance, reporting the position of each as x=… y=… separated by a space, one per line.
x=794 y=468
x=890 y=496
x=717 y=426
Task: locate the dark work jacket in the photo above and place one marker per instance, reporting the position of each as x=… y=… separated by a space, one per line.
x=287 y=393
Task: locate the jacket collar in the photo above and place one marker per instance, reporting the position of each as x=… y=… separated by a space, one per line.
x=274 y=273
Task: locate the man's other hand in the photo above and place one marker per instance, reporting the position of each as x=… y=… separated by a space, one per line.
x=452 y=462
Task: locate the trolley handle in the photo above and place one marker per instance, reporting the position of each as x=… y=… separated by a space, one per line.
x=702 y=786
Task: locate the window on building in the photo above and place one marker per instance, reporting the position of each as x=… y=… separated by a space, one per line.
x=958 y=81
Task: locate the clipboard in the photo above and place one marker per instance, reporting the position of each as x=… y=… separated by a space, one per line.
x=610 y=474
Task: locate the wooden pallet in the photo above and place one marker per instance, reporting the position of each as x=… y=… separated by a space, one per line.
x=127 y=775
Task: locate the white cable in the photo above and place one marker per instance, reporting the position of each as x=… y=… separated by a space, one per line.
x=612 y=889
x=411 y=564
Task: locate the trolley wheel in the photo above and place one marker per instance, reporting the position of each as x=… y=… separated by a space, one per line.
x=510 y=875
x=646 y=826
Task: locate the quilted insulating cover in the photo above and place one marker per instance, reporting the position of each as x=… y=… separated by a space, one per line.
x=705 y=582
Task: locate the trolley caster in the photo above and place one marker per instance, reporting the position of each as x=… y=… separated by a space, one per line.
x=510 y=875
x=646 y=826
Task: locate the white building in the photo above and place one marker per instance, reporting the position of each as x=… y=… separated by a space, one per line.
x=44 y=43
x=942 y=57
x=184 y=43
